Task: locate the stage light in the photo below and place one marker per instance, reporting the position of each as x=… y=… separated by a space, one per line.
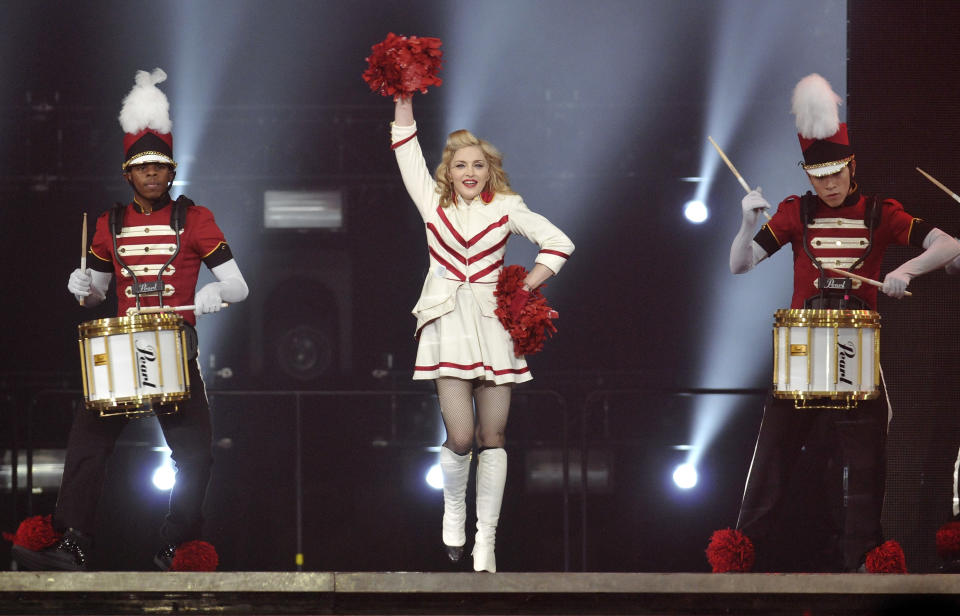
x=434 y=477
x=303 y=209
x=696 y=211
x=544 y=470
x=47 y=469
x=685 y=476
x=164 y=477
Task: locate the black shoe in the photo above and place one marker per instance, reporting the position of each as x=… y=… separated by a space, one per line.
x=164 y=558
x=68 y=554
x=454 y=552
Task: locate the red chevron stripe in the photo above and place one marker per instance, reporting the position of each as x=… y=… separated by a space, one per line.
x=478 y=275
x=436 y=234
x=493 y=248
x=456 y=234
x=476 y=238
x=447 y=265
x=493 y=225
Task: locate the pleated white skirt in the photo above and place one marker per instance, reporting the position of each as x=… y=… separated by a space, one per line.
x=467 y=345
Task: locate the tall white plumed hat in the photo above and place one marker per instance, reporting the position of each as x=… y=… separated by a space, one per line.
x=823 y=138
x=145 y=120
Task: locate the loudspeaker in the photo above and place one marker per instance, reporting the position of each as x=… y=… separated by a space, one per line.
x=301 y=314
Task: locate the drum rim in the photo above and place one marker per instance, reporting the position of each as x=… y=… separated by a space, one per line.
x=132 y=402
x=130 y=324
x=796 y=394
x=816 y=317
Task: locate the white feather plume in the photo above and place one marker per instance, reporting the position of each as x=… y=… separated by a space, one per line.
x=146 y=106
x=816 y=106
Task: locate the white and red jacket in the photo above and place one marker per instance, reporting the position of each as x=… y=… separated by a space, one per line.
x=467 y=241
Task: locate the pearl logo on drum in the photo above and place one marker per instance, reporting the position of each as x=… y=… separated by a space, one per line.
x=146 y=357
x=842 y=284
x=845 y=352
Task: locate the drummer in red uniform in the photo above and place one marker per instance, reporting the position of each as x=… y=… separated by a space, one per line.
x=154 y=246
x=838 y=227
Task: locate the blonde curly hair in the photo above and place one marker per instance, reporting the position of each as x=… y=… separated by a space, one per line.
x=498 y=181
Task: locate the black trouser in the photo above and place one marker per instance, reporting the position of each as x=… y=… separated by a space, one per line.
x=92 y=439
x=859 y=437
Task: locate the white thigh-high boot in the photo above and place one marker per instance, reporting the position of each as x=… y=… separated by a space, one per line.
x=456 y=471
x=491 y=477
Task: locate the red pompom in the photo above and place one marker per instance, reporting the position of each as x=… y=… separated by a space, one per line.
x=535 y=324
x=34 y=533
x=948 y=541
x=730 y=551
x=886 y=558
x=398 y=66
x=195 y=556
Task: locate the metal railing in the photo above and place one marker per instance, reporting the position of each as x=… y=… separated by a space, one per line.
x=596 y=404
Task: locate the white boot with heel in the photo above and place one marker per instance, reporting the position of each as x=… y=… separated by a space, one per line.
x=456 y=471
x=491 y=478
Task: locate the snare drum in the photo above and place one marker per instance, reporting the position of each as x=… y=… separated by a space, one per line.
x=132 y=363
x=826 y=354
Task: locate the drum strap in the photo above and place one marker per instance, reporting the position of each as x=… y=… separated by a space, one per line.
x=116 y=228
x=871 y=219
x=178 y=216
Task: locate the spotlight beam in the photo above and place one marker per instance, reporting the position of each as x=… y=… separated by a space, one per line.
x=741 y=76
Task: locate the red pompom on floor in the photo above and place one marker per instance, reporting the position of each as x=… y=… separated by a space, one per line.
x=34 y=533
x=948 y=541
x=195 y=556
x=886 y=558
x=730 y=551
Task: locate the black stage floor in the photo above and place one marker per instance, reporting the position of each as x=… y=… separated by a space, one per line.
x=264 y=593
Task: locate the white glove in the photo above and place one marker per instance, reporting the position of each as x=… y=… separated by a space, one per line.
x=895 y=283
x=207 y=299
x=752 y=205
x=939 y=250
x=744 y=252
x=80 y=283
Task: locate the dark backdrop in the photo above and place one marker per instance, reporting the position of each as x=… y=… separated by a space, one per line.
x=902 y=79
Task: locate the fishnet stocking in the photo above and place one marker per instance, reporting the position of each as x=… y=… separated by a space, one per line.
x=493 y=408
x=457 y=397
x=456 y=408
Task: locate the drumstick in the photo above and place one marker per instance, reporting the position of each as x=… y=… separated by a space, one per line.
x=740 y=179
x=83 y=249
x=155 y=309
x=939 y=185
x=860 y=278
